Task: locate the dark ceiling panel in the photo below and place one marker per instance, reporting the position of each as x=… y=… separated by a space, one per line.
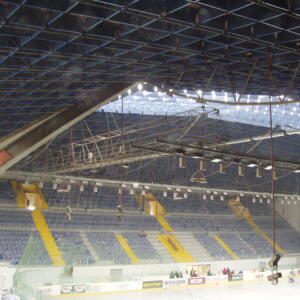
x=52 y=50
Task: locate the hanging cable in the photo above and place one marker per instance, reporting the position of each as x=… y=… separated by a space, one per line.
x=272 y=151
x=276 y=257
x=121 y=166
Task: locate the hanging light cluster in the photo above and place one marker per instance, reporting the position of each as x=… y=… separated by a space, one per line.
x=169 y=191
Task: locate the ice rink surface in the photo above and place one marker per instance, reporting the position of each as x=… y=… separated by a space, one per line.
x=237 y=291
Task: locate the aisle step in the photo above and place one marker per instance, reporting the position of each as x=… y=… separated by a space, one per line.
x=128 y=250
x=164 y=223
x=225 y=246
x=175 y=249
x=47 y=238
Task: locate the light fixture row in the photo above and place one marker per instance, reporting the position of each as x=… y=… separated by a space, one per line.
x=177 y=193
x=222 y=165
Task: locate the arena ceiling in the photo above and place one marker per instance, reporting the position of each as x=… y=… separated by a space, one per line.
x=56 y=54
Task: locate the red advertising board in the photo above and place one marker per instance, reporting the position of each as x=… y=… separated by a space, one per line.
x=196 y=280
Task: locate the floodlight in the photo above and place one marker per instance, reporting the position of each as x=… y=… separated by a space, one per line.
x=120 y=209
x=241 y=170
x=274 y=277
x=273 y=262
x=222 y=168
x=182 y=162
x=258 y=172
x=202 y=165
x=252 y=164
x=216 y=159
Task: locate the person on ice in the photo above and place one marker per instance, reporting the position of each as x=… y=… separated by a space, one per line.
x=292 y=276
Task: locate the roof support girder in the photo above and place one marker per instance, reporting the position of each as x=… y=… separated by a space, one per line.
x=61 y=121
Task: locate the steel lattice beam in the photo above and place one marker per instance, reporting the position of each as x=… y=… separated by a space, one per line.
x=49 y=129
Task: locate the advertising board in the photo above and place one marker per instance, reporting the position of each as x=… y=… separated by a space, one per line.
x=174 y=282
x=152 y=284
x=235 y=277
x=196 y=280
x=73 y=289
x=217 y=279
x=114 y=286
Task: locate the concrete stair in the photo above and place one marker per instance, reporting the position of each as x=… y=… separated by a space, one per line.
x=165 y=257
x=89 y=246
x=47 y=238
x=191 y=244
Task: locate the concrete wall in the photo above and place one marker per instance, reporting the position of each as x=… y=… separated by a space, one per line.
x=146 y=272
x=52 y=275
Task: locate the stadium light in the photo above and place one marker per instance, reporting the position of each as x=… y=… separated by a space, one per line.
x=182 y=162
x=252 y=164
x=30 y=202
x=273 y=262
x=258 y=172
x=217 y=159
x=241 y=170
x=202 y=165
x=268 y=167
x=222 y=168
x=140 y=87
x=274 y=277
